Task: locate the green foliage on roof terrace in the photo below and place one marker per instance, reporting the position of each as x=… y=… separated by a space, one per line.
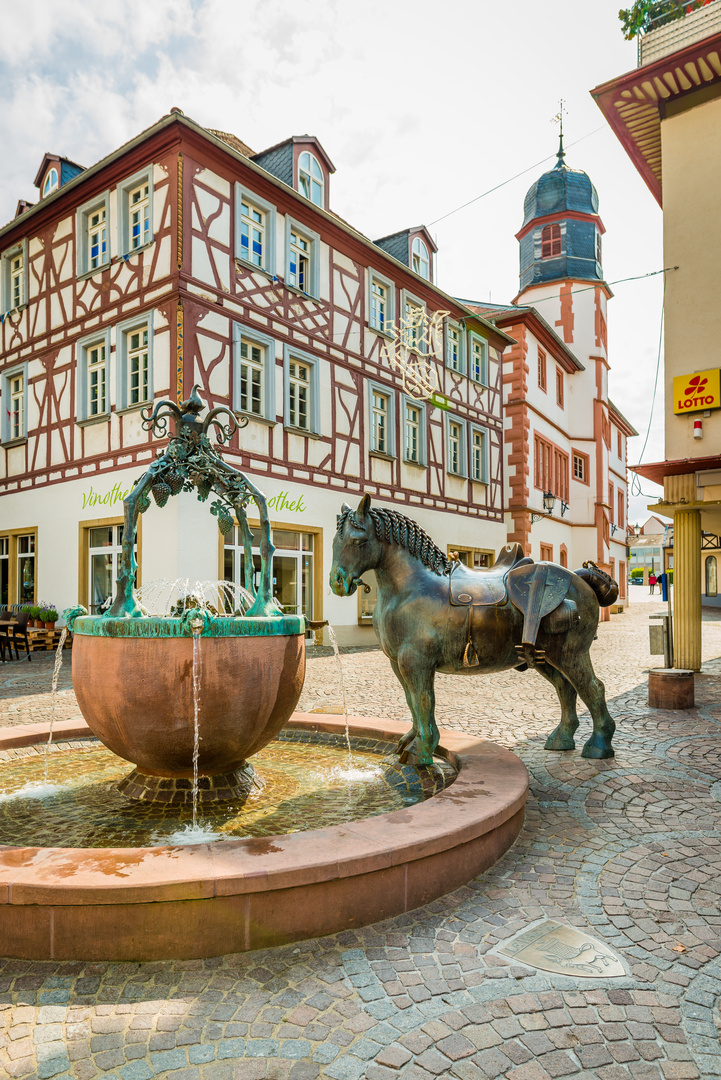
x=646 y=15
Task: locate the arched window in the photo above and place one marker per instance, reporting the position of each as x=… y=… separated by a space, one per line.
x=310 y=178
x=51 y=182
x=421 y=262
x=711 y=578
x=550 y=241
x=598 y=247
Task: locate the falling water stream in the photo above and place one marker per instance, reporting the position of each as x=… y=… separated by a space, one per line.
x=56 y=676
x=196 y=627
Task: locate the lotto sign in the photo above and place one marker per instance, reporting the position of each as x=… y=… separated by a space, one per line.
x=702 y=390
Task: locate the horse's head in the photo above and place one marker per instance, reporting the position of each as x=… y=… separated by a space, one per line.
x=355 y=548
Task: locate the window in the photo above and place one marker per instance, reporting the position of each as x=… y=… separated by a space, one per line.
x=598 y=247
x=95 y=375
x=93 y=221
x=414 y=432
x=255 y=230
x=420 y=259
x=4 y=571
x=135 y=209
x=620 y=520
x=454 y=347
x=302 y=248
x=293 y=577
x=381 y=294
x=620 y=445
x=610 y=497
x=381 y=403
x=550 y=468
x=93 y=355
x=253 y=373
x=479 y=359
x=550 y=241
x=580 y=467
x=563 y=556
x=14 y=278
x=559 y=387
x=51 y=182
x=622 y=580
x=301 y=391
x=310 y=178
x=479 y=455
x=456 y=446
x=542 y=370
x=414 y=330
x=711 y=576
x=13 y=387
x=134 y=356
x=104 y=552
x=546 y=553
x=26 y=568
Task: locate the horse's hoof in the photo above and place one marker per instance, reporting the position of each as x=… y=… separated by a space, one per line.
x=558 y=741
x=597 y=751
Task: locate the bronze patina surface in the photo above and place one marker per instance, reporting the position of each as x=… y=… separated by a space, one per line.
x=433 y=616
x=134 y=674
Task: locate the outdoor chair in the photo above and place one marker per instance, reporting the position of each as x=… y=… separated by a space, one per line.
x=5 y=616
x=20 y=634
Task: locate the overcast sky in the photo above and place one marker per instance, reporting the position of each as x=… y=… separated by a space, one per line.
x=421 y=105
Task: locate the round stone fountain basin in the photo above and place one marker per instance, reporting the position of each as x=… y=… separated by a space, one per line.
x=133 y=682
x=231 y=896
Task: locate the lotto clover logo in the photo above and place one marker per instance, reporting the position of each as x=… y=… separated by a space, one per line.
x=695 y=386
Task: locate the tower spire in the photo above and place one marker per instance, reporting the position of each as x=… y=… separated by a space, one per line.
x=558 y=119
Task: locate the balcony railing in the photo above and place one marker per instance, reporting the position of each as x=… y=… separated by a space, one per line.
x=672 y=27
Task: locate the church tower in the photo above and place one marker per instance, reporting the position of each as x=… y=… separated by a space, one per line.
x=561 y=277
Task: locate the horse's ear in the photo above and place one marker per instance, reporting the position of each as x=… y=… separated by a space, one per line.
x=345 y=508
x=363 y=507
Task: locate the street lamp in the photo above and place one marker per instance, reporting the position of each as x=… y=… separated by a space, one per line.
x=549 y=502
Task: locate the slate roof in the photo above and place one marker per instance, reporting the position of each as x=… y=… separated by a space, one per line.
x=558 y=190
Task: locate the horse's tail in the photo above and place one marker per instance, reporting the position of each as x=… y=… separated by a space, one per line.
x=605 y=588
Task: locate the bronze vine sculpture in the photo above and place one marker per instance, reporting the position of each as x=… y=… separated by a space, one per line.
x=434 y=614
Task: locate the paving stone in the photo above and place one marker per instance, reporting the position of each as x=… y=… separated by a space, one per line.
x=626 y=849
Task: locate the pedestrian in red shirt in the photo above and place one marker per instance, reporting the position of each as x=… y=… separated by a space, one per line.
x=652 y=582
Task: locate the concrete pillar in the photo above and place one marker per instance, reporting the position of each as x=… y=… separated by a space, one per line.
x=687 y=589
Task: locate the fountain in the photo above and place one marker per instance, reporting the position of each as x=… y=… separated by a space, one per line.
x=198 y=850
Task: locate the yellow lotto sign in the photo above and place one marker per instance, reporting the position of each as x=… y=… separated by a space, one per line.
x=702 y=390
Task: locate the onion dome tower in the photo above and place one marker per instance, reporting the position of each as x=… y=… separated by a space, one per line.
x=561 y=233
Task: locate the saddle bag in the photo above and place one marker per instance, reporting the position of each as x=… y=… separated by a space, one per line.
x=562 y=619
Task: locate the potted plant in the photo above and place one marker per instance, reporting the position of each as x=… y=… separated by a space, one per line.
x=49 y=616
x=34 y=615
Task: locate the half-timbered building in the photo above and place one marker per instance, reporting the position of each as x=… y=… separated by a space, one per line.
x=183 y=258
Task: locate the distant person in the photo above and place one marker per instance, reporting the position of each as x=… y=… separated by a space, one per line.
x=652 y=582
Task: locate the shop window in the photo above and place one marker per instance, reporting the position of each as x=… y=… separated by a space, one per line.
x=711 y=578
x=293 y=569
x=4 y=571
x=18 y=550
x=25 y=568
x=104 y=546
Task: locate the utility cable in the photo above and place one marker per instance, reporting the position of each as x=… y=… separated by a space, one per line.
x=503 y=183
x=635 y=482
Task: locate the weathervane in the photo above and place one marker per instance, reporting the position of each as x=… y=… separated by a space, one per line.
x=558 y=119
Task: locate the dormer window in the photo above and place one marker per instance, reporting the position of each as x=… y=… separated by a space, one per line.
x=550 y=241
x=51 y=182
x=310 y=178
x=420 y=259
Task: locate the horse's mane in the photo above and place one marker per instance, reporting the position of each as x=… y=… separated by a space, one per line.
x=392 y=526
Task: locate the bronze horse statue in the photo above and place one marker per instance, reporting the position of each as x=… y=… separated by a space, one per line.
x=434 y=614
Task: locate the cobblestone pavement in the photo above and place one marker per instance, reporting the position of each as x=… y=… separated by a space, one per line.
x=628 y=849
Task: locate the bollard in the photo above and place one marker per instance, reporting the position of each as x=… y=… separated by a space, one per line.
x=670 y=688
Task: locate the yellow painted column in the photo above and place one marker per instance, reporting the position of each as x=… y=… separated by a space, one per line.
x=687 y=589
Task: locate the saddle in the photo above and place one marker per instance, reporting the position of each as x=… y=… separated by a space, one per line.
x=538 y=590
x=485 y=587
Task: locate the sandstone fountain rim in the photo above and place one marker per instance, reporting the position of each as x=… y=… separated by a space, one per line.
x=490 y=790
x=158 y=627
